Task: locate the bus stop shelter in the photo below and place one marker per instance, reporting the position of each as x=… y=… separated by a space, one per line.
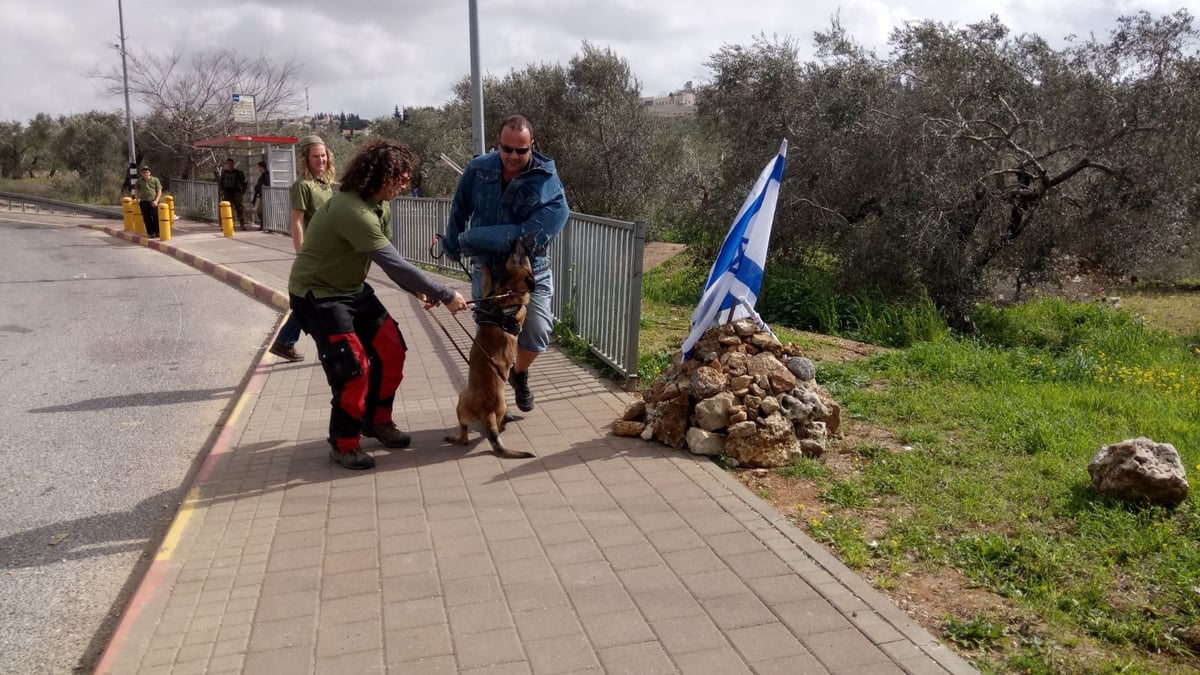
x=279 y=154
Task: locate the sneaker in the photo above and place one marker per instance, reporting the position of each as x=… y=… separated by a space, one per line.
x=286 y=352
x=520 y=385
x=355 y=459
x=387 y=434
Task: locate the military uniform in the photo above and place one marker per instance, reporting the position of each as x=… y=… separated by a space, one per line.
x=232 y=183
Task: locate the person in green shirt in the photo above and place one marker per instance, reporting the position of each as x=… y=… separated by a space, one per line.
x=149 y=190
x=360 y=345
x=308 y=193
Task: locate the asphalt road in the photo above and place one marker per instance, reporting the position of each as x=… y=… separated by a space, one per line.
x=116 y=362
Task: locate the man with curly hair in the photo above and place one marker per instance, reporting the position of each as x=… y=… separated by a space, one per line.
x=359 y=344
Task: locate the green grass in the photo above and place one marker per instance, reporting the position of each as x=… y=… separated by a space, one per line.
x=803 y=300
x=996 y=486
x=993 y=486
x=49 y=188
x=64 y=187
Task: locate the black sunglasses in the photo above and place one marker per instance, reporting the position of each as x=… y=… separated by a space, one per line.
x=510 y=149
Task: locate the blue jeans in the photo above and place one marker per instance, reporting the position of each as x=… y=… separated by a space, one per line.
x=289 y=334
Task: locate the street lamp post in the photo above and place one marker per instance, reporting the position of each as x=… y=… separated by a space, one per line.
x=476 y=83
x=128 y=115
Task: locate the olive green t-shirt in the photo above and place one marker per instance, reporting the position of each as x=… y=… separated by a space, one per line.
x=333 y=260
x=148 y=188
x=308 y=196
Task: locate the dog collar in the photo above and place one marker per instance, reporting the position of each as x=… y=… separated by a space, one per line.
x=504 y=317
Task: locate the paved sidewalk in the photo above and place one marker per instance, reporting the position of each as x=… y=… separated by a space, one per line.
x=603 y=554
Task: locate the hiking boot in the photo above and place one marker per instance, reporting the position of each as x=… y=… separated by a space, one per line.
x=286 y=352
x=520 y=385
x=355 y=459
x=387 y=434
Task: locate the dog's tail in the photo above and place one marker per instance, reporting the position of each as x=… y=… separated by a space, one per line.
x=492 y=432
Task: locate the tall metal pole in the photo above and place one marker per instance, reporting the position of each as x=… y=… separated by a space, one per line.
x=128 y=115
x=476 y=84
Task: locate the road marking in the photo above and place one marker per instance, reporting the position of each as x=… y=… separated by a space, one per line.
x=171 y=541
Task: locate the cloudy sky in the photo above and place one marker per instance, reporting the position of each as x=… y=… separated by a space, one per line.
x=366 y=56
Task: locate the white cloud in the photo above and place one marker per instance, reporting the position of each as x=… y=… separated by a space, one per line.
x=365 y=56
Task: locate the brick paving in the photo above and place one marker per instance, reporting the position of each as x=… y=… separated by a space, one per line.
x=603 y=554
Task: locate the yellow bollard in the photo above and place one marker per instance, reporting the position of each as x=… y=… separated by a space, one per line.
x=127 y=208
x=139 y=225
x=164 y=221
x=226 y=210
x=170 y=199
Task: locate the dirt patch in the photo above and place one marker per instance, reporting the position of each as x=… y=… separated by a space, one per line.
x=819 y=347
x=927 y=595
x=658 y=252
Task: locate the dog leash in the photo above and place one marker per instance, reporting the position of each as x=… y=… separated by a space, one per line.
x=495 y=366
x=436 y=251
x=450 y=338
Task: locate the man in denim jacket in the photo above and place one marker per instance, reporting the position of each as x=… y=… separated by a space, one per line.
x=504 y=195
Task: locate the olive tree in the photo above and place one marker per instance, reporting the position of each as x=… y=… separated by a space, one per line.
x=970 y=152
x=614 y=158
x=431 y=133
x=189 y=98
x=86 y=144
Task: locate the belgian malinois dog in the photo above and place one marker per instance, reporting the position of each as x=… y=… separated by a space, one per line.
x=499 y=316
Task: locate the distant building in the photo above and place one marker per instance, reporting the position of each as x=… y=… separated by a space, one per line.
x=675 y=104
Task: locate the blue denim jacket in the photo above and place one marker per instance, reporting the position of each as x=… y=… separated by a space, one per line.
x=484 y=222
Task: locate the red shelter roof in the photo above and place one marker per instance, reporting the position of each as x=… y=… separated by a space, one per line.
x=247 y=142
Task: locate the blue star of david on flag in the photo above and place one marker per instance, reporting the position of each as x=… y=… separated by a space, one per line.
x=736 y=276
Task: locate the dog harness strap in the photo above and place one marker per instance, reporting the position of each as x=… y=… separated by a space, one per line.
x=504 y=317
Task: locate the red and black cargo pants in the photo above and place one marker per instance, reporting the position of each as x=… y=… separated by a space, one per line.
x=362 y=352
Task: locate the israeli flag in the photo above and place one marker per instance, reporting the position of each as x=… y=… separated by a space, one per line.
x=736 y=276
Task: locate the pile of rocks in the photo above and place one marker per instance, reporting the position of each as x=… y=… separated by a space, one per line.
x=742 y=394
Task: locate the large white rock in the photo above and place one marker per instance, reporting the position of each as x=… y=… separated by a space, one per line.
x=1139 y=469
x=702 y=442
x=712 y=413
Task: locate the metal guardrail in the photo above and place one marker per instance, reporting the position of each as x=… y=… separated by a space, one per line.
x=195 y=199
x=277 y=209
x=11 y=201
x=597 y=263
x=415 y=220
